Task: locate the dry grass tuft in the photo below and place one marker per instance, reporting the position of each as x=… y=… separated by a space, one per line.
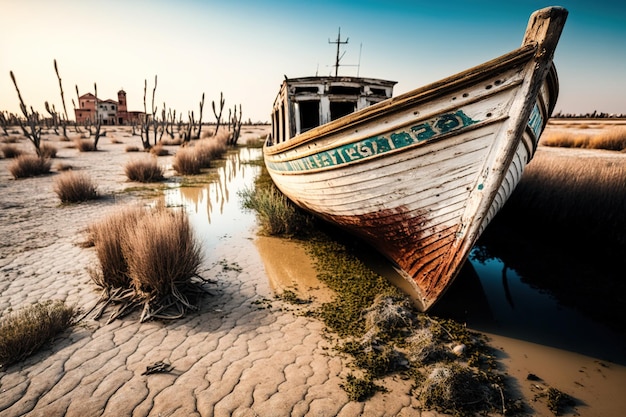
x=159 y=150
x=75 y=187
x=107 y=236
x=171 y=142
x=85 y=145
x=208 y=149
x=25 y=331
x=10 y=139
x=11 y=151
x=132 y=148
x=48 y=150
x=144 y=170
x=161 y=252
x=29 y=166
x=148 y=259
x=63 y=167
x=186 y=162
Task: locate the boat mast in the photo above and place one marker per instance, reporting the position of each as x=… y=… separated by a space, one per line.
x=339 y=42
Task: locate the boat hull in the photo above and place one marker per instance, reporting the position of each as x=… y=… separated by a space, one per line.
x=420 y=177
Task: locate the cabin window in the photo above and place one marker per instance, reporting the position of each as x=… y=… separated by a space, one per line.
x=282 y=135
x=378 y=92
x=341 y=108
x=310 y=89
x=309 y=114
x=344 y=90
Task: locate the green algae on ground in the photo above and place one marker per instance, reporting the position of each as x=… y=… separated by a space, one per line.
x=384 y=336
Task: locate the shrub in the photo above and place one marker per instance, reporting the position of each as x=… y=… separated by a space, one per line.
x=11 y=151
x=132 y=148
x=107 y=236
x=29 y=166
x=144 y=170
x=74 y=187
x=209 y=149
x=171 y=142
x=147 y=258
x=63 y=167
x=186 y=162
x=10 y=139
x=159 y=150
x=85 y=145
x=24 y=331
x=276 y=214
x=47 y=150
x=161 y=252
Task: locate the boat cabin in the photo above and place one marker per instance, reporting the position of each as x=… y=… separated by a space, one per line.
x=305 y=103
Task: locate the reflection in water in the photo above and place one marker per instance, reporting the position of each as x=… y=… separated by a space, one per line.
x=511 y=307
x=213 y=208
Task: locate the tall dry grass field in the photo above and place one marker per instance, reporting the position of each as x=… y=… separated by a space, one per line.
x=584 y=193
x=613 y=139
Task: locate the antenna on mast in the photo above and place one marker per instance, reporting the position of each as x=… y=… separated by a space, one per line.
x=339 y=42
x=358 y=67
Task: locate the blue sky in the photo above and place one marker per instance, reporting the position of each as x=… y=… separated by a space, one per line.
x=244 y=48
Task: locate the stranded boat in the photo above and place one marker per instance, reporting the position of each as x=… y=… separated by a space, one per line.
x=418 y=176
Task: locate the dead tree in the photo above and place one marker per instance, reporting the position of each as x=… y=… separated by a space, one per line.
x=200 y=120
x=33 y=122
x=4 y=123
x=65 y=121
x=236 y=121
x=189 y=129
x=98 y=121
x=55 y=117
x=218 y=116
x=150 y=122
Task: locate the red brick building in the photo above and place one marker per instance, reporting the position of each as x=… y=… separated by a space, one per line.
x=109 y=112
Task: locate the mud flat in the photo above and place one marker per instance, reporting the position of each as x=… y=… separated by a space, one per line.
x=243 y=354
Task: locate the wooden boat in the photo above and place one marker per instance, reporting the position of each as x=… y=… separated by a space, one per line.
x=418 y=176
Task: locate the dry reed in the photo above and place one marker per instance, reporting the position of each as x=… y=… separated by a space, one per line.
x=159 y=150
x=107 y=236
x=582 y=192
x=11 y=151
x=48 y=150
x=148 y=259
x=186 y=162
x=85 y=145
x=29 y=166
x=613 y=139
x=144 y=170
x=75 y=187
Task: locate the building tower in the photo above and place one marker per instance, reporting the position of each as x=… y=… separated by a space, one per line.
x=121 y=101
x=122 y=111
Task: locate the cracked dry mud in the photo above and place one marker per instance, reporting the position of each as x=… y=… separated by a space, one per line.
x=233 y=357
